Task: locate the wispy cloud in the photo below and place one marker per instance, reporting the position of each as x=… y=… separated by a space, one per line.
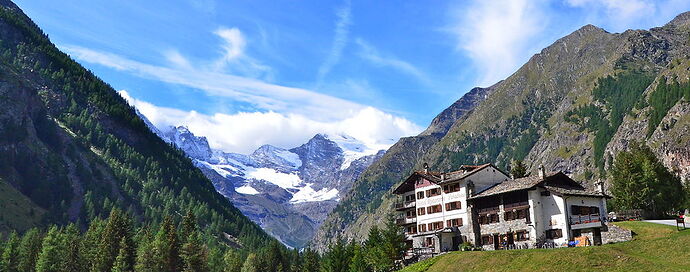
x=498 y=36
x=619 y=15
x=369 y=53
x=245 y=131
x=262 y=95
x=342 y=29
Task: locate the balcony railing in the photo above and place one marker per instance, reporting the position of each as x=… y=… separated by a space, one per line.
x=584 y=219
x=406 y=220
x=405 y=205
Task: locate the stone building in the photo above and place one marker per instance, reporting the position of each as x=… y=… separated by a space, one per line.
x=482 y=205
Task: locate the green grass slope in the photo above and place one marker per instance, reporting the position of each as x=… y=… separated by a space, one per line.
x=17 y=212
x=654 y=248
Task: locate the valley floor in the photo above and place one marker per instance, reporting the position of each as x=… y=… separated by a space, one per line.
x=655 y=247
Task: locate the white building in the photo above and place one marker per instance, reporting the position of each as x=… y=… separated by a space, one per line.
x=482 y=205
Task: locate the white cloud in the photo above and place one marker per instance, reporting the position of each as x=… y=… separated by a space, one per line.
x=262 y=95
x=619 y=15
x=369 y=53
x=498 y=36
x=342 y=29
x=234 y=42
x=245 y=131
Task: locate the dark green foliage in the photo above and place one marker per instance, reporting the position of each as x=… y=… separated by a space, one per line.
x=194 y=254
x=358 y=262
x=167 y=247
x=232 y=261
x=640 y=181
x=29 y=248
x=122 y=260
x=337 y=258
x=52 y=256
x=665 y=96
x=311 y=261
x=518 y=169
x=251 y=264
x=618 y=95
x=8 y=261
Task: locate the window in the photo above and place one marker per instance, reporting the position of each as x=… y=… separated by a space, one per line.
x=521 y=235
x=433 y=192
x=420 y=195
x=522 y=213
x=554 y=234
x=453 y=206
x=411 y=230
x=451 y=188
x=410 y=214
x=584 y=210
x=435 y=225
x=487 y=239
x=422 y=228
x=457 y=222
x=433 y=209
x=409 y=198
x=429 y=242
x=421 y=211
x=488 y=218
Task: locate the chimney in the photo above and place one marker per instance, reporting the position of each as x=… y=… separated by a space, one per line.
x=426 y=168
x=600 y=186
x=470 y=188
x=542 y=172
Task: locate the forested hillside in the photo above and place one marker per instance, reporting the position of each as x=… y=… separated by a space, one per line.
x=72 y=150
x=572 y=107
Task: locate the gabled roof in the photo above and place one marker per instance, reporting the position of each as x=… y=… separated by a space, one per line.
x=441 y=178
x=555 y=182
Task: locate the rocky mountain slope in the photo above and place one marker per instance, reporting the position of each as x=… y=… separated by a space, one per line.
x=71 y=149
x=571 y=108
x=287 y=192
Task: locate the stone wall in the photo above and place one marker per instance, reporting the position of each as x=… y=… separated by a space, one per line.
x=615 y=234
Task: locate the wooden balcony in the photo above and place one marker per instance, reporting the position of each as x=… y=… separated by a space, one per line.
x=406 y=220
x=405 y=205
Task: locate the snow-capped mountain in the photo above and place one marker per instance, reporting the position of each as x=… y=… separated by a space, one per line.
x=289 y=192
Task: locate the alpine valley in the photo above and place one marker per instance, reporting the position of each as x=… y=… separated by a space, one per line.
x=288 y=193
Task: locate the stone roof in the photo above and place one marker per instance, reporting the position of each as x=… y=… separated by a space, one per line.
x=556 y=182
x=441 y=178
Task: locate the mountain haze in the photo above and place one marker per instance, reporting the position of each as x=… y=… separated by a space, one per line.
x=571 y=108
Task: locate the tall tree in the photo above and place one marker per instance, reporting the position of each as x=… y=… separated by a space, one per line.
x=394 y=242
x=311 y=261
x=167 y=247
x=189 y=225
x=640 y=181
x=147 y=258
x=52 y=253
x=9 y=262
x=518 y=169
x=72 y=243
x=358 y=263
x=337 y=258
x=89 y=244
x=233 y=261
x=29 y=248
x=251 y=264
x=121 y=261
x=117 y=228
x=194 y=254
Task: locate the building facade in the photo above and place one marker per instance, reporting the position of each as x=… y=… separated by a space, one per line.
x=482 y=205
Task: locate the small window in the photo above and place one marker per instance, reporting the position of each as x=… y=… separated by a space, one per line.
x=521 y=235
x=422 y=228
x=433 y=192
x=433 y=209
x=457 y=222
x=487 y=239
x=554 y=234
x=420 y=195
x=421 y=211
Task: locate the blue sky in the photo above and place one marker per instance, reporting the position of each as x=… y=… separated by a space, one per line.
x=246 y=73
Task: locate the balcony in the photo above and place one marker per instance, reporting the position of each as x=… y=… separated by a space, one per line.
x=406 y=220
x=586 y=221
x=404 y=205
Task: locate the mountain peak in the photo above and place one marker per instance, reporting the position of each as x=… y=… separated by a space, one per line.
x=680 y=20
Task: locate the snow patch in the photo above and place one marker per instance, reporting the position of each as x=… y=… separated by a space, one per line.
x=282 y=180
x=290 y=157
x=247 y=190
x=308 y=194
x=354 y=149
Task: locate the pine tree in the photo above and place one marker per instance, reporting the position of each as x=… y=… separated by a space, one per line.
x=72 y=242
x=232 y=261
x=167 y=247
x=147 y=258
x=311 y=261
x=89 y=244
x=518 y=169
x=337 y=257
x=121 y=261
x=52 y=253
x=189 y=226
x=194 y=254
x=215 y=260
x=358 y=264
x=376 y=255
x=251 y=264
x=273 y=258
x=394 y=242
x=29 y=248
x=9 y=262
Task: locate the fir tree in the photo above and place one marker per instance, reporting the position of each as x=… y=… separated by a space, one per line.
x=29 y=248
x=89 y=244
x=147 y=258
x=251 y=264
x=518 y=169
x=311 y=261
x=121 y=261
x=72 y=242
x=358 y=263
x=189 y=226
x=337 y=257
x=52 y=253
x=167 y=247
x=194 y=254
x=215 y=260
x=9 y=262
x=232 y=261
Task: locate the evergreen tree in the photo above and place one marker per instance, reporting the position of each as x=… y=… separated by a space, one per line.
x=232 y=261
x=117 y=228
x=337 y=257
x=147 y=258
x=194 y=254
x=89 y=244
x=121 y=261
x=394 y=242
x=272 y=257
x=9 y=262
x=215 y=260
x=376 y=255
x=358 y=263
x=52 y=252
x=251 y=264
x=640 y=181
x=29 y=248
x=189 y=226
x=73 y=257
x=518 y=169
x=167 y=247
x=311 y=261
